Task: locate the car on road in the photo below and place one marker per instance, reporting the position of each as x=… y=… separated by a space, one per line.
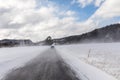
x=52 y=46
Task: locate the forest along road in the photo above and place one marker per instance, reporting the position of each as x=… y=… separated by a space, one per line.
x=47 y=66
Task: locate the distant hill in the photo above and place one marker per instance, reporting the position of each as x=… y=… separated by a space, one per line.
x=14 y=42
x=109 y=33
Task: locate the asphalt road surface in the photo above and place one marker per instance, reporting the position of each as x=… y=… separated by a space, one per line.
x=47 y=66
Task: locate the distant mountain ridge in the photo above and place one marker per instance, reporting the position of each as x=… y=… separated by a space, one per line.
x=109 y=33
x=14 y=42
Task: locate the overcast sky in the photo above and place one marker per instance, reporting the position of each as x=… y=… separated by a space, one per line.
x=37 y=19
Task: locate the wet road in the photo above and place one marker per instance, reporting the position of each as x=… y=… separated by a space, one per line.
x=46 y=66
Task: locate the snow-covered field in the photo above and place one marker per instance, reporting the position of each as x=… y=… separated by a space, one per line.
x=15 y=57
x=104 y=58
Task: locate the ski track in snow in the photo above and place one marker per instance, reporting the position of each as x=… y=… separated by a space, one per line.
x=74 y=55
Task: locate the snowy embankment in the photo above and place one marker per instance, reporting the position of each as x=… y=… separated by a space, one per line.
x=104 y=56
x=15 y=57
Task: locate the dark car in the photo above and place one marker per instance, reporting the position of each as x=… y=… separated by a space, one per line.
x=52 y=46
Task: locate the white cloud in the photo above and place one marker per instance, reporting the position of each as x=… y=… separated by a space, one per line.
x=24 y=20
x=18 y=4
x=27 y=20
x=107 y=12
x=98 y=2
x=84 y=3
x=109 y=9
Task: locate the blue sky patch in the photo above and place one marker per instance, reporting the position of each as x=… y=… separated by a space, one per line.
x=82 y=13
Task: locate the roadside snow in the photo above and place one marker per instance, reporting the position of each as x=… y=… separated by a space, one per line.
x=105 y=56
x=15 y=57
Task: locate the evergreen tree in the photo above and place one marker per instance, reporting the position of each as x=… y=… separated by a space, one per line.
x=49 y=41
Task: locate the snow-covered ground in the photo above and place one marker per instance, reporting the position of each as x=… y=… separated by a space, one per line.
x=15 y=57
x=80 y=57
x=105 y=56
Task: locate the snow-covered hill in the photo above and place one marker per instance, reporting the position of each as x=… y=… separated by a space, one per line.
x=104 y=34
x=89 y=61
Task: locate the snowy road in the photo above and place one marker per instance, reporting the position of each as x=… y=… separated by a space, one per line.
x=47 y=66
